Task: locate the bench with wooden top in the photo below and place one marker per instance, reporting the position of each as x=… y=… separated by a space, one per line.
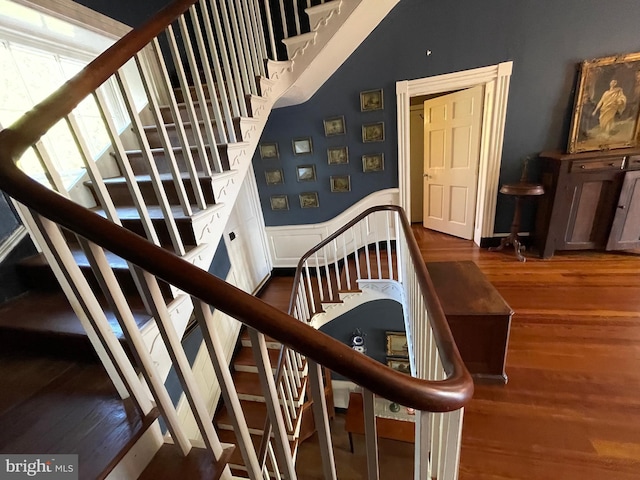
x=478 y=316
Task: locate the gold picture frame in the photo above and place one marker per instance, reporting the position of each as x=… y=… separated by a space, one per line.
x=371 y=100
x=397 y=345
x=302 y=146
x=607 y=104
x=334 y=126
x=373 y=132
x=340 y=183
x=306 y=173
x=401 y=365
x=373 y=162
x=274 y=177
x=309 y=200
x=279 y=202
x=269 y=151
x=338 y=155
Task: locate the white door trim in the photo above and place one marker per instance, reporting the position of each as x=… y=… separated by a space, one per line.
x=496 y=79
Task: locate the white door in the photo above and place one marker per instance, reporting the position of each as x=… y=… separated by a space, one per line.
x=452 y=125
x=245 y=239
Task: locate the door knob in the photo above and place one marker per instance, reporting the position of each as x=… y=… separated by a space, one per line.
x=426 y=175
x=621 y=207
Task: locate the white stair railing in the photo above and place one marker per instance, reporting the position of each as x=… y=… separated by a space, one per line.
x=381 y=240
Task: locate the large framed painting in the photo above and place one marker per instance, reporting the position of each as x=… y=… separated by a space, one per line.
x=607 y=104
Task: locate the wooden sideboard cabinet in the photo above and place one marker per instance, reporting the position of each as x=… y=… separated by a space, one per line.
x=591 y=201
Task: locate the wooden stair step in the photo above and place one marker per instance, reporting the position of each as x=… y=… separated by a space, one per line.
x=249 y=388
x=25 y=326
x=272 y=343
x=153 y=133
x=130 y=219
x=236 y=460
x=135 y=157
x=255 y=414
x=119 y=189
x=169 y=463
x=243 y=360
x=37 y=274
x=51 y=405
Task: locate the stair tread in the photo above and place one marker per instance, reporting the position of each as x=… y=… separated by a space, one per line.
x=244 y=357
x=50 y=405
x=255 y=414
x=130 y=212
x=169 y=463
x=247 y=383
x=229 y=436
x=25 y=313
x=245 y=336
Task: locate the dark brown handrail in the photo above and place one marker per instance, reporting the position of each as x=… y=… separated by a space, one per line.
x=446 y=395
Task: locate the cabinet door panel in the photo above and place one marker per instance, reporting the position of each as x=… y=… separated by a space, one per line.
x=591 y=204
x=625 y=231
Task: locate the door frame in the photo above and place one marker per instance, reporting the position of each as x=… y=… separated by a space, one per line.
x=496 y=80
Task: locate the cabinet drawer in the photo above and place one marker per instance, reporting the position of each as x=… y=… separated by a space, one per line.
x=633 y=162
x=597 y=164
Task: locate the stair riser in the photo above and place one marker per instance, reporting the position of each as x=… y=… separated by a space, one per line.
x=139 y=167
x=270 y=345
x=184 y=116
x=153 y=135
x=121 y=197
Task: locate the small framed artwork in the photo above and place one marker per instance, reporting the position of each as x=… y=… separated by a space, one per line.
x=269 y=150
x=373 y=132
x=340 y=183
x=397 y=345
x=306 y=173
x=302 y=146
x=371 y=100
x=338 y=155
x=274 y=177
x=279 y=202
x=399 y=364
x=373 y=162
x=334 y=126
x=309 y=200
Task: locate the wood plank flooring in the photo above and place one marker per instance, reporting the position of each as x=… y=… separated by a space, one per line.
x=571 y=409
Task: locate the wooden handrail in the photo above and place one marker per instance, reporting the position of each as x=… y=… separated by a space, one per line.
x=445 y=395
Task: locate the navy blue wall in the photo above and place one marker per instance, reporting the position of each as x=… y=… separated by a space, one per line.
x=373 y=319
x=545 y=39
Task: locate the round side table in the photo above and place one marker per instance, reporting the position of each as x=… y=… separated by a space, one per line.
x=518 y=191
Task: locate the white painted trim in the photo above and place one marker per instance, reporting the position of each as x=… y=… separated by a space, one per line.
x=73 y=12
x=496 y=79
x=12 y=242
x=287 y=244
x=139 y=456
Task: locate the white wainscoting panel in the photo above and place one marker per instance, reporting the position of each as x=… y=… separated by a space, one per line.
x=288 y=243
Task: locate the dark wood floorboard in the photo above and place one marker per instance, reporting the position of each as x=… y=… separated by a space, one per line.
x=571 y=409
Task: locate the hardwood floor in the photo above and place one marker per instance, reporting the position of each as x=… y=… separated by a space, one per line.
x=571 y=409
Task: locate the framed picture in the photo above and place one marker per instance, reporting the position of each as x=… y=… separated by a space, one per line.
x=274 y=177
x=373 y=132
x=279 y=202
x=397 y=345
x=340 y=183
x=373 y=162
x=309 y=200
x=338 y=155
x=302 y=146
x=606 y=105
x=371 y=100
x=334 y=126
x=399 y=364
x=269 y=150
x=306 y=173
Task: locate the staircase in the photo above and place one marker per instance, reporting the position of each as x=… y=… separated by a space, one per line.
x=129 y=293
